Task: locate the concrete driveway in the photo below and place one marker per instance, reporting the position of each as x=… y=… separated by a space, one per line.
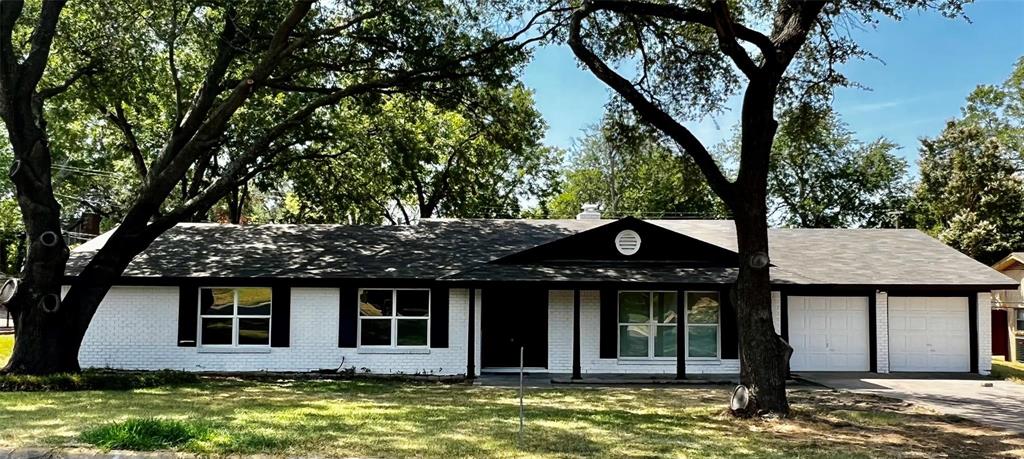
x=978 y=398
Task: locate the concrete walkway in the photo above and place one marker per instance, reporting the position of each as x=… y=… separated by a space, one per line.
x=978 y=398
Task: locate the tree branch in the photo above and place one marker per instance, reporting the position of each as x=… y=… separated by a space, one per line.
x=118 y=118
x=647 y=109
x=793 y=21
x=678 y=13
x=204 y=97
x=87 y=70
x=39 y=53
x=725 y=28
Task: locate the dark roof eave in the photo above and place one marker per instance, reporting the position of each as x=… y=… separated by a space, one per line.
x=372 y=281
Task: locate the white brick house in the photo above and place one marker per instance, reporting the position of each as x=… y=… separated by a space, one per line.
x=458 y=297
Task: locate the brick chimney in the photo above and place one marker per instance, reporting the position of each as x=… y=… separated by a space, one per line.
x=90 y=223
x=590 y=212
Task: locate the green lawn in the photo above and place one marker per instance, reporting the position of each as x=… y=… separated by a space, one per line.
x=363 y=418
x=1012 y=371
x=6 y=347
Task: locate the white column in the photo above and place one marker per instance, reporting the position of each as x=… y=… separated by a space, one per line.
x=777 y=311
x=881 y=331
x=479 y=310
x=984 y=332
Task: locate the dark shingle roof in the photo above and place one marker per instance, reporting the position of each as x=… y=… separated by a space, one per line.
x=461 y=250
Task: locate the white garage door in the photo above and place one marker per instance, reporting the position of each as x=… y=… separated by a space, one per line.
x=929 y=334
x=829 y=333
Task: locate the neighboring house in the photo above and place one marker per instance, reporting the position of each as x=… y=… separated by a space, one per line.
x=1008 y=310
x=585 y=296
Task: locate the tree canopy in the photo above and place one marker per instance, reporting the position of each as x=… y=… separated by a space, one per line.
x=407 y=158
x=629 y=170
x=187 y=101
x=971 y=192
x=823 y=177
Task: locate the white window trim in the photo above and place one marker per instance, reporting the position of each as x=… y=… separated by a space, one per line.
x=234 y=323
x=651 y=323
x=394 y=318
x=718 y=326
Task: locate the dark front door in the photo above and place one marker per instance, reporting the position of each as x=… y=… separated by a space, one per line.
x=511 y=319
x=1000 y=334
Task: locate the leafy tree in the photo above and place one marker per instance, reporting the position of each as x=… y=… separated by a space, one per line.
x=971 y=193
x=628 y=170
x=690 y=57
x=971 y=190
x=198 y=98
x=406 y=159
x=823 y=177
x=999 y=110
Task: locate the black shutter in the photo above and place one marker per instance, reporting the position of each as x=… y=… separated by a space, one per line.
x=439 y=317
x=609 y=323
x=188 y=314
x=730 y=332
x=348 y=317
x=281 y=316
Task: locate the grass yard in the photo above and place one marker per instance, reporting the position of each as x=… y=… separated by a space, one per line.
x=6 y=347
x=1011 y=371
x=364 y=418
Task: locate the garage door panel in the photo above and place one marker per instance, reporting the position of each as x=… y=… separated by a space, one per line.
x=929 y=334
x=829 y=333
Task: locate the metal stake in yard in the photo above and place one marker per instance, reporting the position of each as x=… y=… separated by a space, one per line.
x=522 y=413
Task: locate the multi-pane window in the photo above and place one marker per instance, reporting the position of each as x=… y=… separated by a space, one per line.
x=702 y=314
x=234 y=316
x=1020 y=319
x=647 y=324
x=394 y=317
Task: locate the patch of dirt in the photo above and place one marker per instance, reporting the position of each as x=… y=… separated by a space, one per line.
x=876 y=425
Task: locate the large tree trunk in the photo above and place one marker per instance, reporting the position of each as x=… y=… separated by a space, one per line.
x=764 y=356
x=45 y=342
x=45 y=338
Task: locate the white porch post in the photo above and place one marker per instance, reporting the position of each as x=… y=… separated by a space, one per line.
x=984 y=332
x=881 y=331
x=777 y=311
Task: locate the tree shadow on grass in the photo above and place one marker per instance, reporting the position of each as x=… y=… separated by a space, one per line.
x=433 y=420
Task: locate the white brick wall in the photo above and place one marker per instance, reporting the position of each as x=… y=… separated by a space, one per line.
x=882 y=331
x=984 y=332
x=777 y=312
x=479 y=300
x=136 y=328
x=590 y=343
x=560 y=330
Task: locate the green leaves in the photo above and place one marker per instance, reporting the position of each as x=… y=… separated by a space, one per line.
x=823 y=177
x=629 y=171
x=971 y=190
x=408 y=158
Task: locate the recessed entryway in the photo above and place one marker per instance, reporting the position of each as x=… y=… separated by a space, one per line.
x=829 y=333
x=929 y=334
x=511 y=319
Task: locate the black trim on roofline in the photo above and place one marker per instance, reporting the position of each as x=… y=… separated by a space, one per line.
x=785 y=288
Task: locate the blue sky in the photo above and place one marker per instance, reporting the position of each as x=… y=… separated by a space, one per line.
x=930 y=65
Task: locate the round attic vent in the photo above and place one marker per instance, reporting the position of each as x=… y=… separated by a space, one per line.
x=628 y=242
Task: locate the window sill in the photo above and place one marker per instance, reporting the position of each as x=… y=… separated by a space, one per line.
x=234 y=350
x=393 y=350
x=664 y=361
x=643 y=361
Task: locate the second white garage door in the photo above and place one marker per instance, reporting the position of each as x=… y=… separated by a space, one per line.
x=829 y=333
x=929 y=334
